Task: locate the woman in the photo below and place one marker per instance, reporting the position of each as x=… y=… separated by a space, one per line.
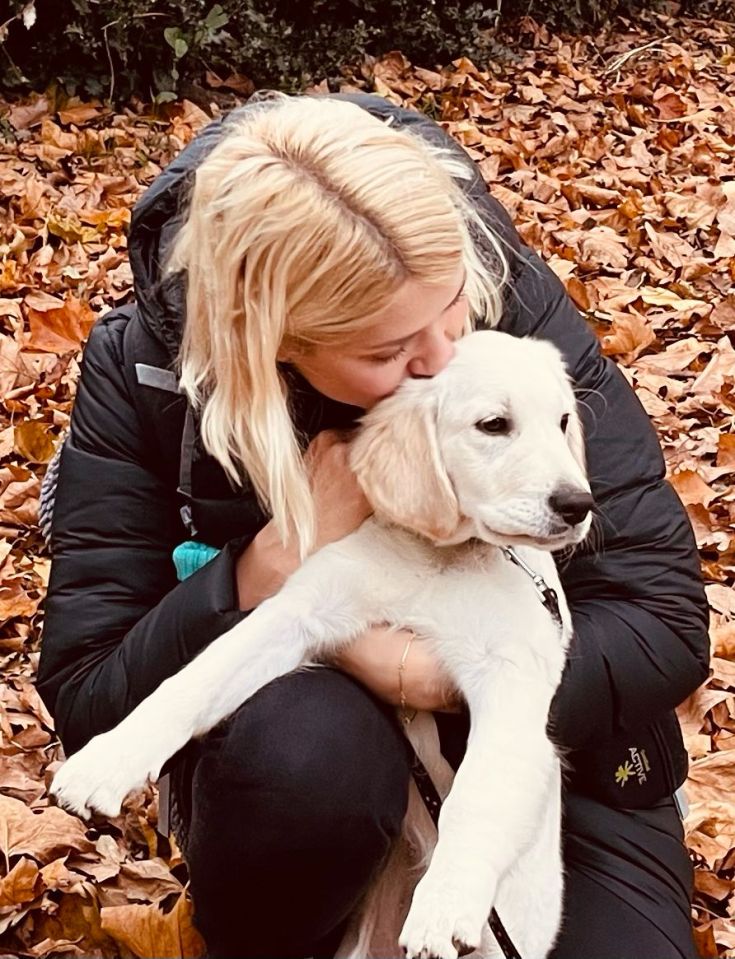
x=331 y=249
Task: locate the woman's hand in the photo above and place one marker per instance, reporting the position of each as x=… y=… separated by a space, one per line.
x=374 y=657
x=339 y=508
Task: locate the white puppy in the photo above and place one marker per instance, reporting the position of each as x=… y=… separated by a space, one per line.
x=486 y=454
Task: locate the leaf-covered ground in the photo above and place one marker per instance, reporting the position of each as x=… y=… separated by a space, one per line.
x=615 y=155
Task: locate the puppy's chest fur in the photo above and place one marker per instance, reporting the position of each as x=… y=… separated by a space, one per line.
x=469 y=600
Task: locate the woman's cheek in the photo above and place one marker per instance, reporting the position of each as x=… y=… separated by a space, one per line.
x=382 y=383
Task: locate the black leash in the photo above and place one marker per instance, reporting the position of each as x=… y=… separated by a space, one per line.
x=427 y=789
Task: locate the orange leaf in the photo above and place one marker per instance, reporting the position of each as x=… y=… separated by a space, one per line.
x=147 y=931
x=671 y=106
x=692 y=488
x=21 y=884
x=630 y=335
x=33 y=441
x=576 y=289
x=725 y=450
x=60 y=330
x=79 y=113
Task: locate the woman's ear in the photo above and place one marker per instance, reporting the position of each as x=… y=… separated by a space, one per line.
x=397 y=461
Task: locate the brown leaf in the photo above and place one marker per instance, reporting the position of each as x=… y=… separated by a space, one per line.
x=712 y=886
x=79 y=113
x=73 y=924
x=711 y=778
x=26 y=116
x=704 y=941
x=33 y=441
x=22 y=884
x=723 y=672
x=692 y=488
x=234 y=81
x=576 y=289
x=44 y=835
x=671 y=106
x=147 y=931
x=723 y=640
x=15 y=601
x=630 y=335
x=678 y=356
x=19 y=490
x=56 y=875
x=604 y=247
x=60 y=330
x=723 y=315
x=149 y=879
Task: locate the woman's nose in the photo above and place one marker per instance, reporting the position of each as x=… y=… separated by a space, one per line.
x=434 y=356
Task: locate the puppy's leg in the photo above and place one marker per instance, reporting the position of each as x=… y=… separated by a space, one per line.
x=272 y=641
x=490 y=814
x=529 y=899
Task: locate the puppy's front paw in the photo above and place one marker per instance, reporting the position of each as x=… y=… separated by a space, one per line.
x=100 y=776
x=439 y=926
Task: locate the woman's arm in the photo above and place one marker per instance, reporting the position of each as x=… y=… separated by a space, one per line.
x=117 y=624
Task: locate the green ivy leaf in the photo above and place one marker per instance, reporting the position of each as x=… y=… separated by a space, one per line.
x=216 y=18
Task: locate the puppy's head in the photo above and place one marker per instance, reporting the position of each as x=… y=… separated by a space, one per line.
x=491 y=447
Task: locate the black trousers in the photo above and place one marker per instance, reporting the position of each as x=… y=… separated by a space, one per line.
x=290 y=806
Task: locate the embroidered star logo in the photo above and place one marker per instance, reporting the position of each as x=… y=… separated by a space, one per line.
x=623 y=773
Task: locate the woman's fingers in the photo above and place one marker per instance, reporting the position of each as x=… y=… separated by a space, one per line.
x=339 y=503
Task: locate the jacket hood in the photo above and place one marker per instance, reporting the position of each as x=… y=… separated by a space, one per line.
x=158 y=214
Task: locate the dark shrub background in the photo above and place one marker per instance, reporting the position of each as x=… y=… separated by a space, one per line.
x=152 y=47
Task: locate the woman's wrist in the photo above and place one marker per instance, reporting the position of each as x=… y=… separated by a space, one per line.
x=374 y=659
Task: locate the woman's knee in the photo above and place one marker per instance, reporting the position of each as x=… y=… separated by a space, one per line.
x=312 y=748
x=296 y=800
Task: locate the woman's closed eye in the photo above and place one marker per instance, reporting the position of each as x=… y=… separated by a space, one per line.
x=395 y=355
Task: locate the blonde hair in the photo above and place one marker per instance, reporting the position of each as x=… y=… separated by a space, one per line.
x=304 y=212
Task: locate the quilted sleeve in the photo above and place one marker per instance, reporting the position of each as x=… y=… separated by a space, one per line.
x=117 y=623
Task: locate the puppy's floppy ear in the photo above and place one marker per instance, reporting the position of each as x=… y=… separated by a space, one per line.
x=397 y=461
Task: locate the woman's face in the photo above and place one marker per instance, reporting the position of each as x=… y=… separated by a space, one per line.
x=413 y=336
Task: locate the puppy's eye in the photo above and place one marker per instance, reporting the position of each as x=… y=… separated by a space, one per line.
x=564 y=422
x=497 y=426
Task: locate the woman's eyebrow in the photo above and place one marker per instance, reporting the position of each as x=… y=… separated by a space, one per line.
x=405 y=339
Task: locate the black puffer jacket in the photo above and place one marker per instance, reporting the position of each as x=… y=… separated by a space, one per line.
x=118 y=623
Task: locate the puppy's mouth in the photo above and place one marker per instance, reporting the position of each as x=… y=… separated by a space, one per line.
x=550 y=542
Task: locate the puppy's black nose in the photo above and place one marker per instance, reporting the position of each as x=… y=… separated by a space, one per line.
x=571 y=504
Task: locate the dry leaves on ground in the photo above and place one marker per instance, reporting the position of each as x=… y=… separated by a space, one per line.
x=614 y=156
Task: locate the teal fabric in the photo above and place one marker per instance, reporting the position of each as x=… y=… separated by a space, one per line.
x=190 y=556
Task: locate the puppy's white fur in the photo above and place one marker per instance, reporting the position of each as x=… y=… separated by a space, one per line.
x=447 y=493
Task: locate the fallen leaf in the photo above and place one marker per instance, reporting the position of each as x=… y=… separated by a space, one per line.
x=44 y=835
x=147 y=931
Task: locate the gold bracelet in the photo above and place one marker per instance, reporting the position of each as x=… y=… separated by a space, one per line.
x=405 y=718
